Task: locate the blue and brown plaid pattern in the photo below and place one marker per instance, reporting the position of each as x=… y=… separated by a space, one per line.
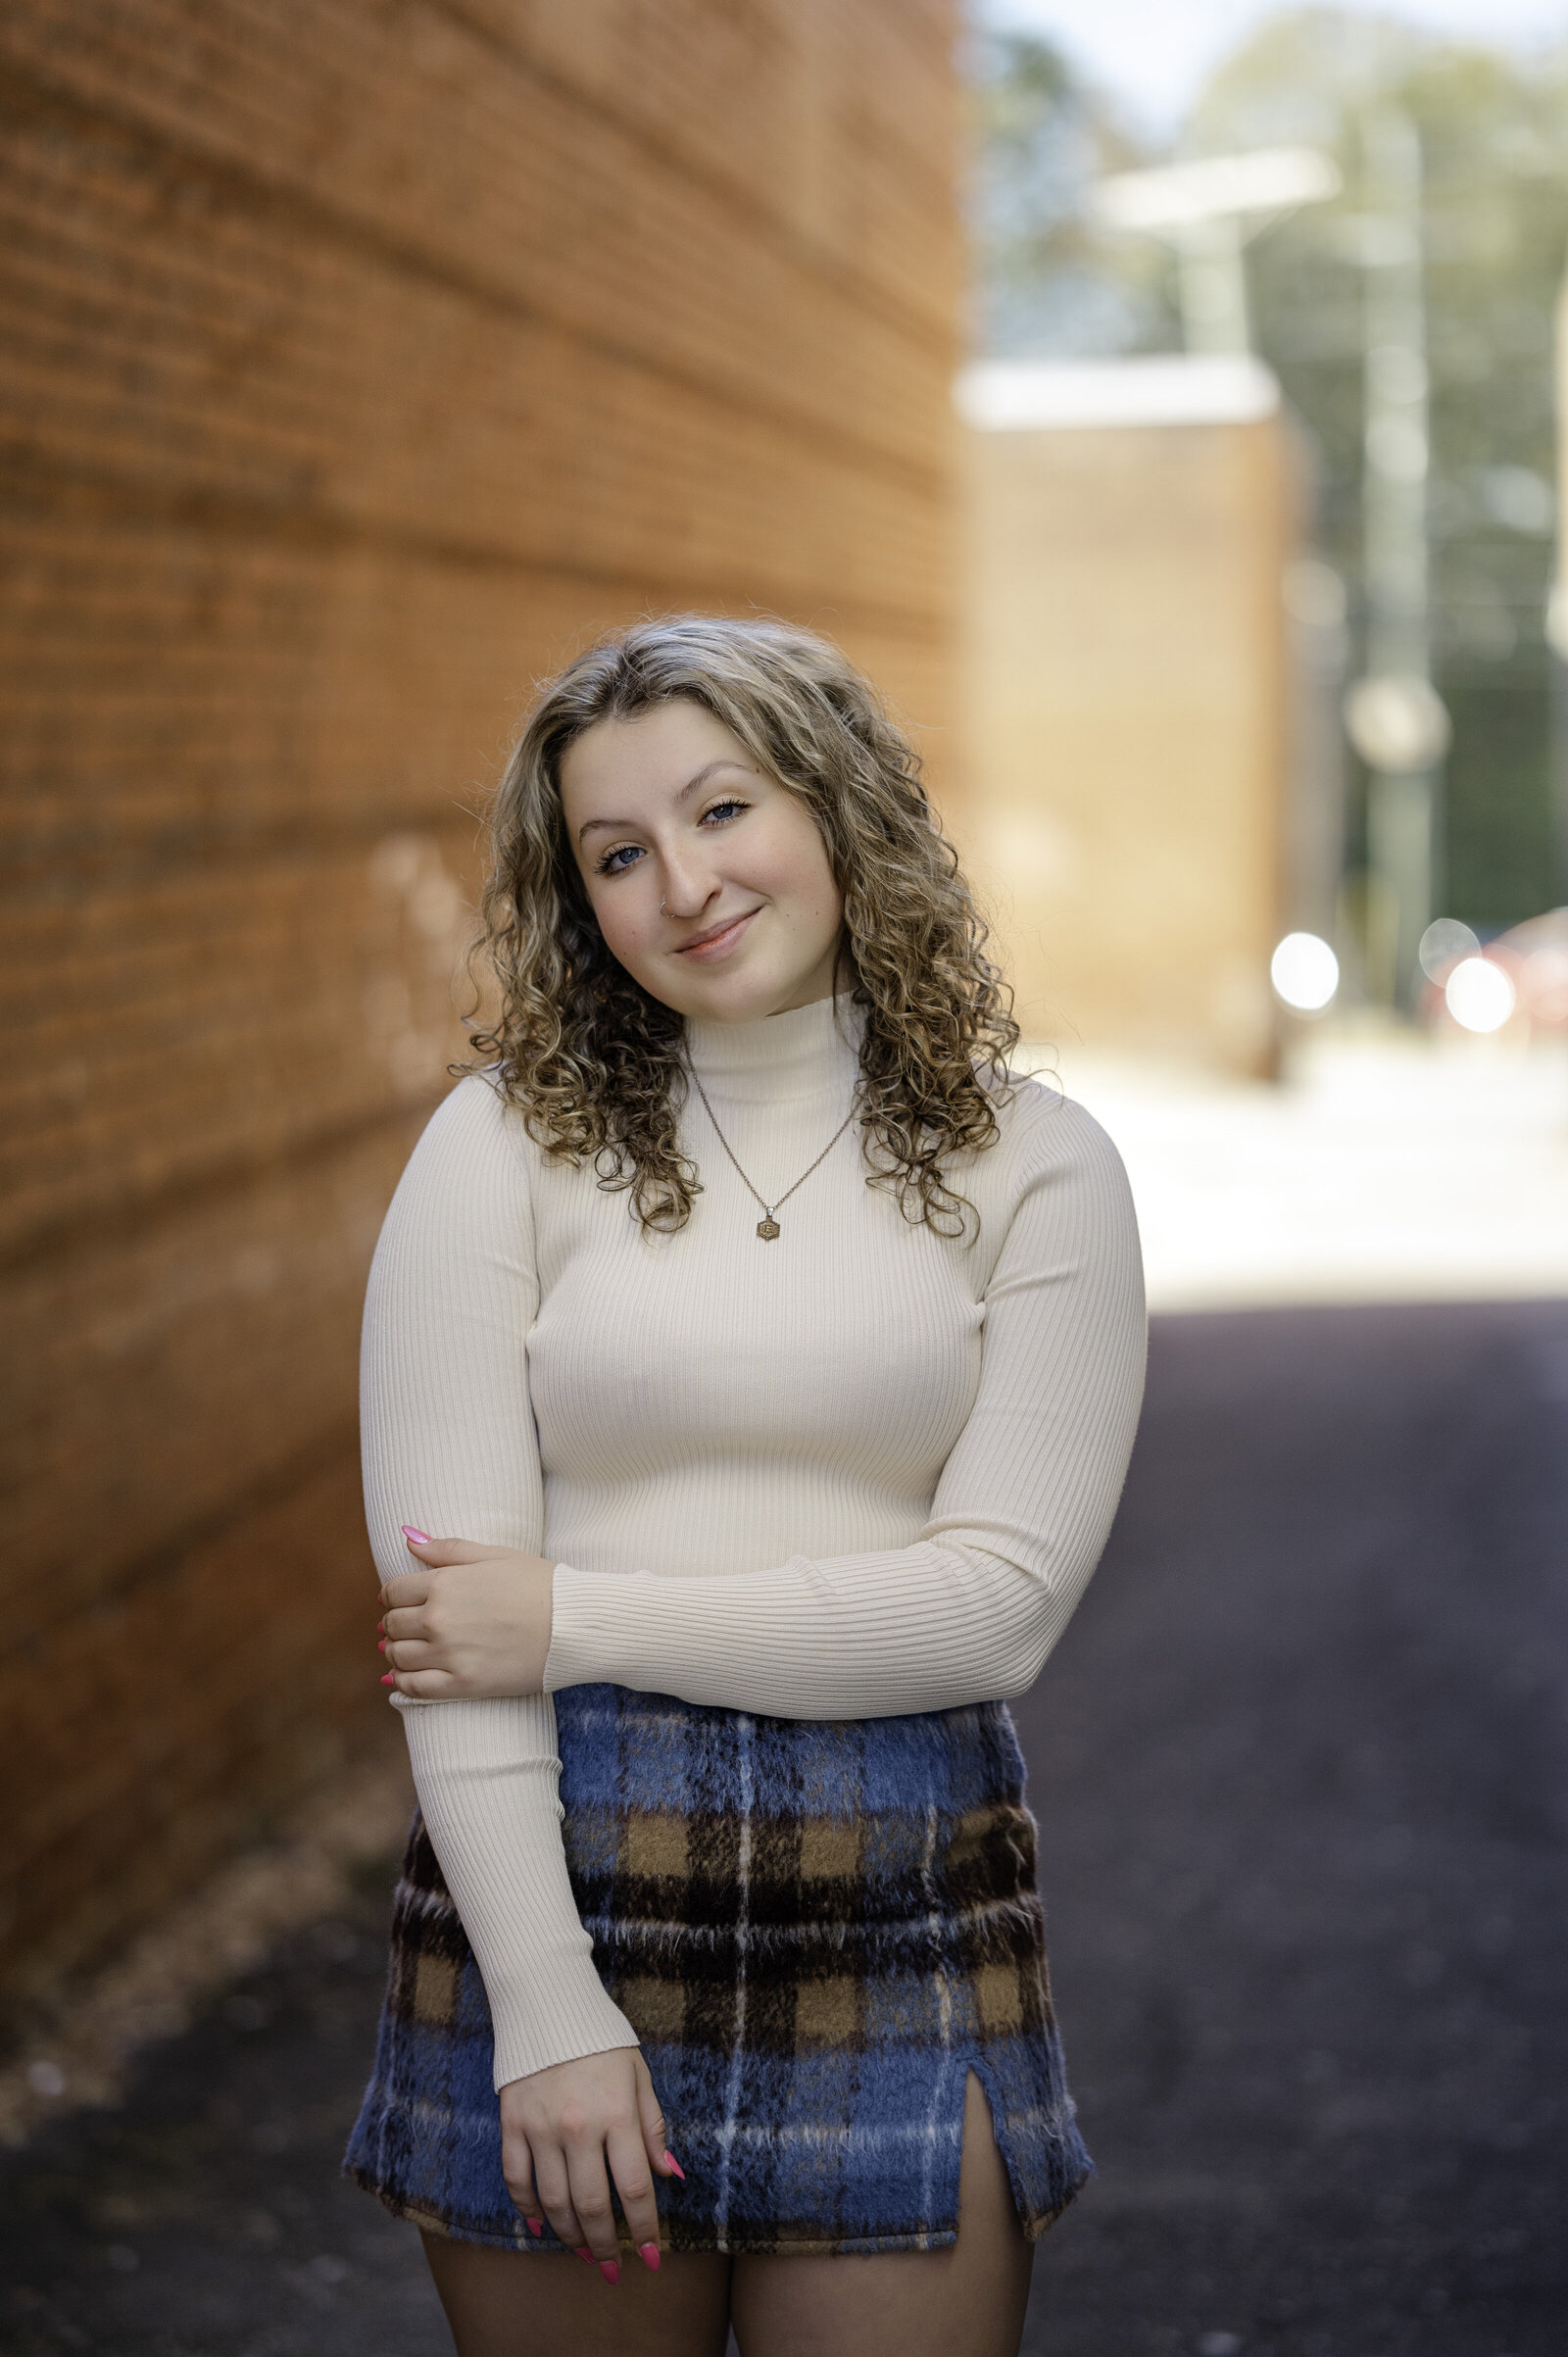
x=817 y=1932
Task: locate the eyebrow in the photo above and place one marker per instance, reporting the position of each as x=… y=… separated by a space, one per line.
x=615 y=826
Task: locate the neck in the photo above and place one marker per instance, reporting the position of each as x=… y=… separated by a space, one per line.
x=800 y=1052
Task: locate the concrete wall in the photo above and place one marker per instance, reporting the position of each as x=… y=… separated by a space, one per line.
x=360 y=360
x=1125 y=726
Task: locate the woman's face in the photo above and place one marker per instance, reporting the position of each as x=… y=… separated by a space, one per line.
x=709 y=882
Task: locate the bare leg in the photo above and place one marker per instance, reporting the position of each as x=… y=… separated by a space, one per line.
x=969 y=2301
x=501 y=2305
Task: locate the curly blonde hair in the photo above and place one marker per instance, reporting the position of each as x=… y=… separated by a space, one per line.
x=595 y=1063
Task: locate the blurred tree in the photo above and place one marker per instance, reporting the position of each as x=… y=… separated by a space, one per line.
x=1494 y=146
x=1049 y=283
x=1495 y=139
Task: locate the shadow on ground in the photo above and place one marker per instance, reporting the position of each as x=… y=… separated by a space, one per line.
x=1298 y=1766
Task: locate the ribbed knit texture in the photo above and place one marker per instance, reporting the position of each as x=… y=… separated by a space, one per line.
x=858 y=1471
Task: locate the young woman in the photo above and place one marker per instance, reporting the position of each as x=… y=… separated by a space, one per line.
x=751 y=1367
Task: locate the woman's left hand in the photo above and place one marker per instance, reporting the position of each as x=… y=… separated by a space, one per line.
x=471 y=1620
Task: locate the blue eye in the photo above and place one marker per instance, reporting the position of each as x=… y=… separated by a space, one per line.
x=624 y=856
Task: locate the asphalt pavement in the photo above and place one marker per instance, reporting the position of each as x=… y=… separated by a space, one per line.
x=1298 y=1765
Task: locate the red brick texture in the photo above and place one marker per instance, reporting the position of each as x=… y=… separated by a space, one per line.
x=360 y=359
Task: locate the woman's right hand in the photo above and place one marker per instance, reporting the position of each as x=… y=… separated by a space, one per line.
x=568 y=2133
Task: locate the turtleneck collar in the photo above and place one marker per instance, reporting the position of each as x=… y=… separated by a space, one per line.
x=803 y=1053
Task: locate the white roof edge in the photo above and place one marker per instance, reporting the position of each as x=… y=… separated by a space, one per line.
x=1024 y=396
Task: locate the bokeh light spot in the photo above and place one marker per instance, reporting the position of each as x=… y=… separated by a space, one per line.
x=1304 y=972
x=1444 y=942
x=1480 y=994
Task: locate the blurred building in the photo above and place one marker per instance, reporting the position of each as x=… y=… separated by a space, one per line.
x=359 y=364
x=1126 y=693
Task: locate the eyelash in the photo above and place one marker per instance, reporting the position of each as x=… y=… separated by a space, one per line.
x=729 y=802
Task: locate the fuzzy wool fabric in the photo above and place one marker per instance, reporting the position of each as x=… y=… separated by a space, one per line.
x=817 y=1931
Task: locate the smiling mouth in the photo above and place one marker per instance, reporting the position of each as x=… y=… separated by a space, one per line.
x=721 y=938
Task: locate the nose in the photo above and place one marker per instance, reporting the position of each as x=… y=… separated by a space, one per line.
x=689 y=884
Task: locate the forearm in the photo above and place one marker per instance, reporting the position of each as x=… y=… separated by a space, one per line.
x=487 y=1776
x=859 y=1636
x=449 y=1446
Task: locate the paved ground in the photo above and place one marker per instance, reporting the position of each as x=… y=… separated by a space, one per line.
x=1299 y=1770
x=1388 y=1165
x=1300 y=1766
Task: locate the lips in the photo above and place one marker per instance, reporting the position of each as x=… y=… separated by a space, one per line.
x=719 y=939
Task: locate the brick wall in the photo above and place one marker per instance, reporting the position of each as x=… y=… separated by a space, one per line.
x=359 y=358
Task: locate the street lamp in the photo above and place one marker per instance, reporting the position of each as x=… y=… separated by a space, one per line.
x=1209 y=209
x=1395 y=716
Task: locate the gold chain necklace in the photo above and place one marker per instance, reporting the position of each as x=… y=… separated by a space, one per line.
x=767 y=1226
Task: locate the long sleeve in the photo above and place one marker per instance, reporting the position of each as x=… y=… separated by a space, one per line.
x=449 y=1447
x=1021 y=1513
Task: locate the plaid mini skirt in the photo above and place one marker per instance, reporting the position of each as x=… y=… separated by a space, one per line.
x=816 y=1929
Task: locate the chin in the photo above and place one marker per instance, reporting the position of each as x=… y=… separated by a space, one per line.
x=734 y=1006
x=740 y=998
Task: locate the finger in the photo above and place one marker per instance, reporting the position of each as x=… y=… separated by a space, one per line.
x=516 y=2167
x=634 y=2182
x=651 y=2119
x=424 y=1686
x=553 y=2189
x=589 y=2180
x=408 y=1630
x=407 y=1613
x=407 y=1588
x=408 y=1652
x=437 y=1551
x=410 y=1659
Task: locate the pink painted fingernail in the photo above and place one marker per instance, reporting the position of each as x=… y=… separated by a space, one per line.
x=648 y=2253
x=389 y=1680
x=584 y=2253
x=609 y=2270
x=419 y=1538
x=535 y=2227
x=675 y=2164
x=380 y=1644
x=380 y=1628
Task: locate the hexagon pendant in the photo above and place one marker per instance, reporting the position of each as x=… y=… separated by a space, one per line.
x=767 y=1228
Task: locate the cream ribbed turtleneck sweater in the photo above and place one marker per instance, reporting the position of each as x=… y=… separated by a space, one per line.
x=861 y=1470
